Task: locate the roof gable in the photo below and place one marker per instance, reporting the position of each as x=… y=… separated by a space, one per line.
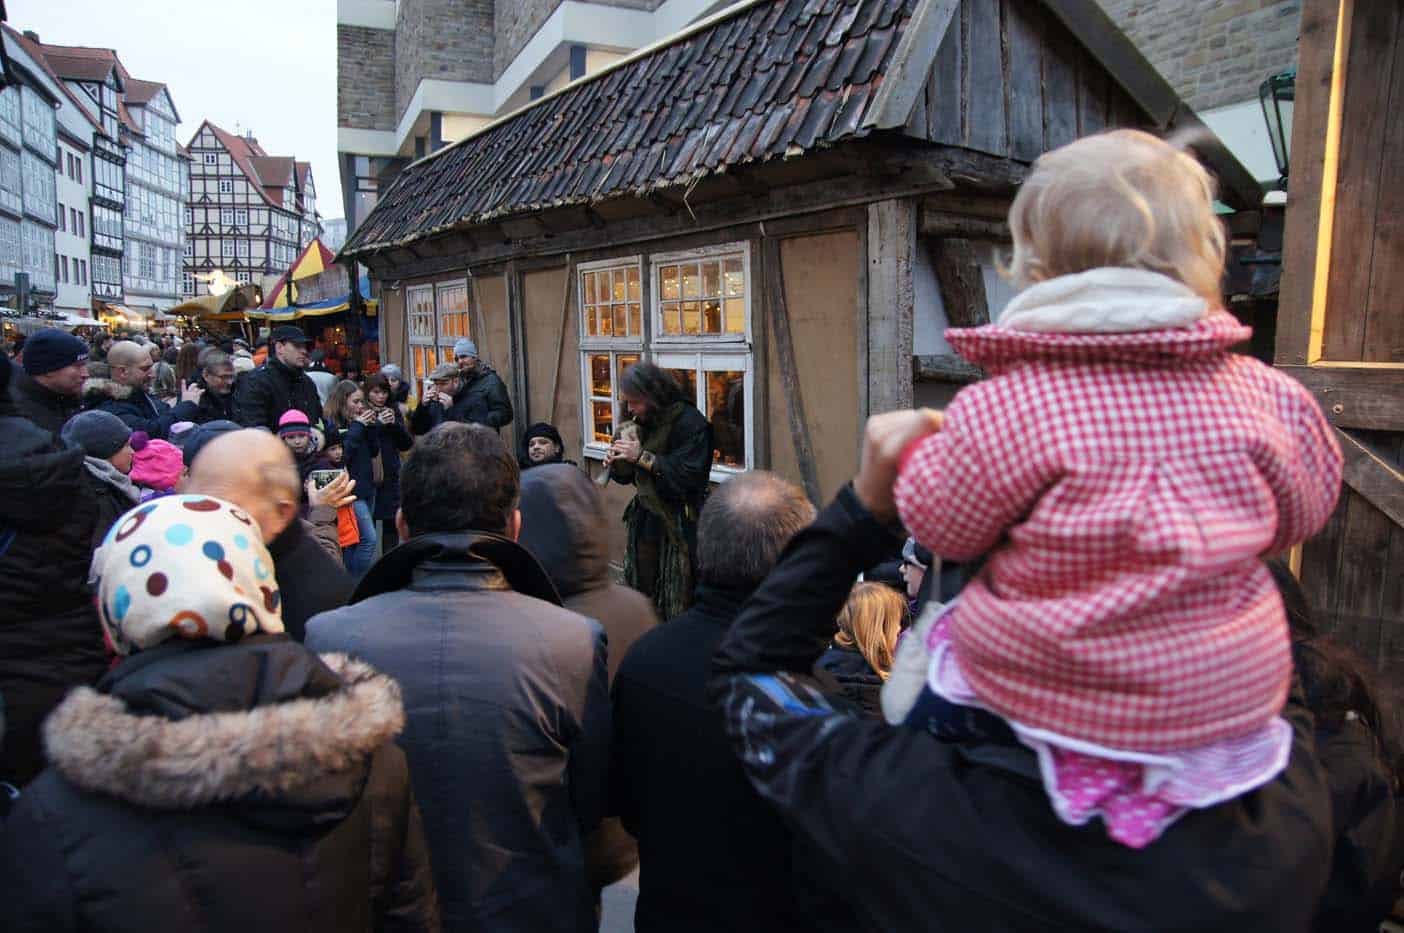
x=37 y=52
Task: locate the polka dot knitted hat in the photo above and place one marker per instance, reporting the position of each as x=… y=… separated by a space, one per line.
x=188 y=567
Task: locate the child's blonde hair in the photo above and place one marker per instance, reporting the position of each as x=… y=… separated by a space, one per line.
x=870 y=621
x=1122 y=198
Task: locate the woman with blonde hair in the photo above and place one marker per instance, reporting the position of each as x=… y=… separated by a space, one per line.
x=861 y=656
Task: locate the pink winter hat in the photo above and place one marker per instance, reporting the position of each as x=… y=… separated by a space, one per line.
x=156 y=464
x=293 y=421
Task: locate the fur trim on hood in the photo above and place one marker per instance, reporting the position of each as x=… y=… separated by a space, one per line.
x=106 y=388
x=276 y=750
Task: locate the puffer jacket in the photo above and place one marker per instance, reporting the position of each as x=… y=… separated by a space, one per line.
x=50 y=639
x=483 y=399
x=962 y=836
x=138 y=409
x=564 y=527
x=211 y=787
x=264 y=395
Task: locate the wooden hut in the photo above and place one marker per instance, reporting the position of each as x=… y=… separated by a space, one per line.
x=786 y=204
x=1340 y=327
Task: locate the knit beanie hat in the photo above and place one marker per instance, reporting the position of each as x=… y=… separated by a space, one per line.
x=100 y=433
x=293 y=422
x=188 y=567
x=542 y=429
x=156 y=464
x=465 y=347
x=51 y=349
x=181 y=432
x=391 y=371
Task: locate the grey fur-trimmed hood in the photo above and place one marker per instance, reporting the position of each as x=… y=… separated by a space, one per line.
x=277 y=750
x=95 y=388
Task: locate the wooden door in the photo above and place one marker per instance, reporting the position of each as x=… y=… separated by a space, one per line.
x=1341 y=316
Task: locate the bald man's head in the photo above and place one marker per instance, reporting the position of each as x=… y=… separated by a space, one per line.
x=254 y=470
x=130 y=364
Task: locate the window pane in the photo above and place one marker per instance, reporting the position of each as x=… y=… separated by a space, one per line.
x=691 y=317
x=711 y=279
x=687 y=380
x=589 y=288
x=726 y=410
x=634 y=290
x=606 y=321
x=621 y=320
x=600 y=384
x=624 y=360
x=603 y=429
x=691 y=282
x=735 y=277
x=635 y=320
x=671 y=324
x=735 y=315
x=668 y=276
x=590 y=326
x=711 y=317
x=619 y=286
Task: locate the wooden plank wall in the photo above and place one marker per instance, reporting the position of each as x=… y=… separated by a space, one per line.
x=1011 y=81
x=495 y=339
x=392 y=330
x=1365 y=319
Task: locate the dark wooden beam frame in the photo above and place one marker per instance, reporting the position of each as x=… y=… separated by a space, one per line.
x=779 y=321
x=1366 y=398
x=1378 y=482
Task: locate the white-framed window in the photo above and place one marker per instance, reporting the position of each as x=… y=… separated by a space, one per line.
x=699 y=328
x=226 y=186
x=190 y=248
x=702 y=295
x=451 y=315
x=242 y=249
x=187 y=284
x=211 y=158
x=419 y=317
x=241 y=218
x=226 y=248
x=226 y=216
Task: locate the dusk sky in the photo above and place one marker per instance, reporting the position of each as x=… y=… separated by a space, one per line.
x=264 y=65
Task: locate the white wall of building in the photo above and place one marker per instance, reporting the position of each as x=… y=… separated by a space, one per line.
x=74 y=180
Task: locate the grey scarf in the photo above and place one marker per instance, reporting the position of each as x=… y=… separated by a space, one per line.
x=110 y=474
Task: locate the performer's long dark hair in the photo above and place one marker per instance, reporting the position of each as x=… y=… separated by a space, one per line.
x=652 y=383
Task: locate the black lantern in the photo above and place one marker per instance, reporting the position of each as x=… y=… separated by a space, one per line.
x=1277 y=95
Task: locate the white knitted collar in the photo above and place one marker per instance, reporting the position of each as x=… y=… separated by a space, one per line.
x=1104 y=301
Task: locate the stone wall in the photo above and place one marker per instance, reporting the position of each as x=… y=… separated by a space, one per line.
x=365 y=78
x=1212 y=53
x=451 y=40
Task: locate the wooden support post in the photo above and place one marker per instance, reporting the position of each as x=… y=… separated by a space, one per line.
x=891 y=298
x=789 y=369
x=516 y=336
x=961 y=282
x=560 y=338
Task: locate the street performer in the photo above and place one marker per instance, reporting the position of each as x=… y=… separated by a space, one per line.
x=668 y=461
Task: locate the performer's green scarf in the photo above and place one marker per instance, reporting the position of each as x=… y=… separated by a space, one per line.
x=673 y=583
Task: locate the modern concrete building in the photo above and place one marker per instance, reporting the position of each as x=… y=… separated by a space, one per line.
x=413 y=75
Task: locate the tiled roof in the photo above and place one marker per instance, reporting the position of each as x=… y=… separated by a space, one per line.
x=303 y=168
x=38 y=53
x=772 y=80
x=140 y=92
x=76 y=63
x=273 y=171
x=268 y=174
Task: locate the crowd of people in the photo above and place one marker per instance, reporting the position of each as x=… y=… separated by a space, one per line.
x=304 y=656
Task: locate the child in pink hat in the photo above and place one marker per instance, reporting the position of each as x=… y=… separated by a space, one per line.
x=156 y=466
x=1125 y=474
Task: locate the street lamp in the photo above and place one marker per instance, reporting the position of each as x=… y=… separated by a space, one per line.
x=1277 y=95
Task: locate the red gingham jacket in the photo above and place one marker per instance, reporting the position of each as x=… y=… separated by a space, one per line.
x=1125 y=486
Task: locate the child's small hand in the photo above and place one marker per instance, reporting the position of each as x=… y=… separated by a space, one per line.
x=887 y=436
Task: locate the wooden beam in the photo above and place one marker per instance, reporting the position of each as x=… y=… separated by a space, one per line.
x=891 y=301
x=906 y=76
x=779 y=321
x=516 y=335
x=936 y=223
x=1381 y=484
x=945 y=367
x=1369 y=399
x=560 y=338
x=961 y=282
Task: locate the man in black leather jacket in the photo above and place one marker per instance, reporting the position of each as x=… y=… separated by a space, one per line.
x=937 y=835
x=279 y=384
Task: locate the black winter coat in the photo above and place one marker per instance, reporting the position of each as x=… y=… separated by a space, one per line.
x=853 y=679
x=138 y=409
x=714 y=856
x=564 y=527
x=111 y=501
x=482 y=399
x=50 y=639
x=264 y=395
x=978 y=846
x=359 y=449
x=291 y=812
x=43 y=406
x=310 y=579
x=212 y=407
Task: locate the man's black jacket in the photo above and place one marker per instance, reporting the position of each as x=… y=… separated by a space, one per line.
x=482 y=399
